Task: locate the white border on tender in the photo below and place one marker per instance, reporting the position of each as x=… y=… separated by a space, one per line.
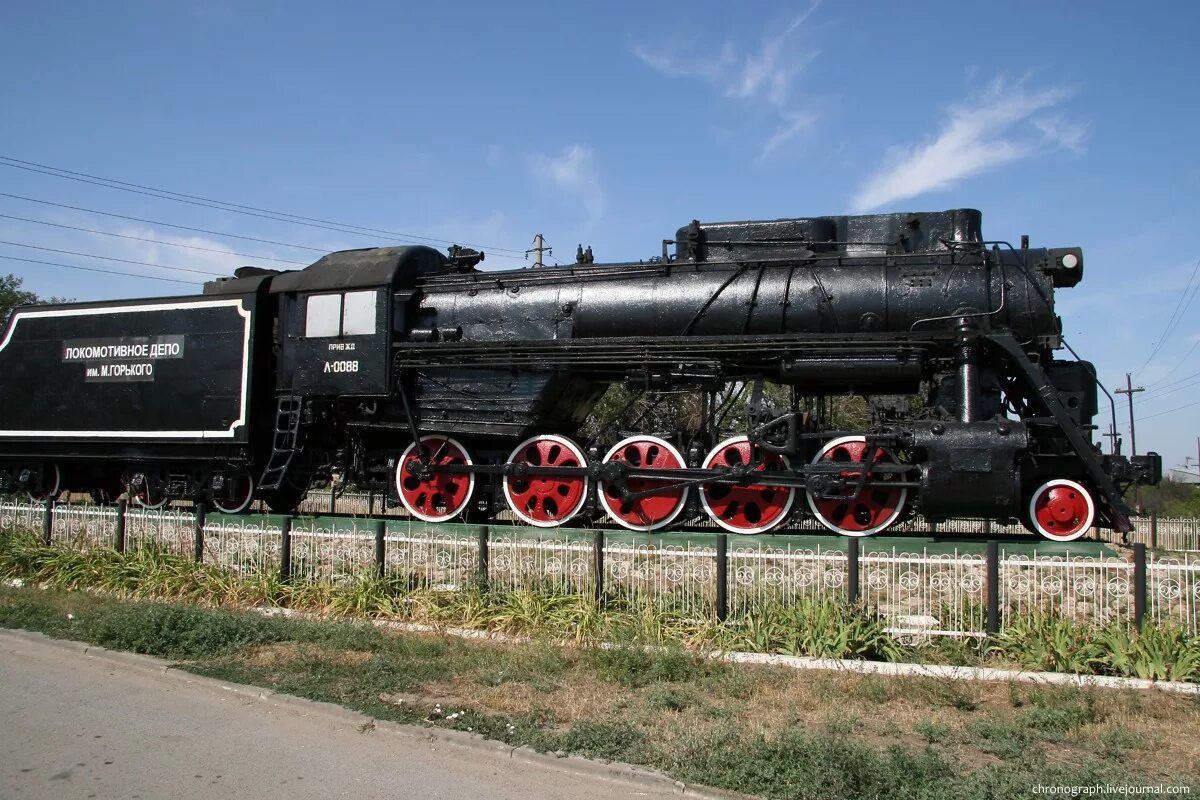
x=84 y=312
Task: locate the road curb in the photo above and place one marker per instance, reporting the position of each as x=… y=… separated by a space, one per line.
x=614 y=772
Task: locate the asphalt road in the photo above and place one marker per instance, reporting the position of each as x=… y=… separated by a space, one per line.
x=115 y=726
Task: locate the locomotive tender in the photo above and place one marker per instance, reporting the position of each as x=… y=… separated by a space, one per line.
x=464 y=391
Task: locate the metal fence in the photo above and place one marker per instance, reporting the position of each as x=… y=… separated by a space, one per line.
x=703 y=576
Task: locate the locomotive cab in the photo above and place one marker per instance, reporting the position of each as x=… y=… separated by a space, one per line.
x=338 y=318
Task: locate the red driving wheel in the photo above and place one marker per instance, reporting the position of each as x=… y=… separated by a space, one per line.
x=745 y=509
x=546 y=500
x=441 y=495
x=1061 y=510
x=874 y=509
x=649 y=512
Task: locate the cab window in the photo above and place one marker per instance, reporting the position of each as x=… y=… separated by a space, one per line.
x=348 y=314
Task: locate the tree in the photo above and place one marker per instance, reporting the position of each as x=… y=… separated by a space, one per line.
x=1170 y=498
x=11 y=296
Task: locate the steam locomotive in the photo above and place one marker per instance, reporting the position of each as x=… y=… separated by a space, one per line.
x=463 y=391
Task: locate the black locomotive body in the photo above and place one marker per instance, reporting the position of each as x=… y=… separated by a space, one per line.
x=463 y=391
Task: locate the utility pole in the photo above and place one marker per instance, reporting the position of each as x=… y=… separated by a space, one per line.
x=1129 y=390
x=1113 y=438
x=539 y=247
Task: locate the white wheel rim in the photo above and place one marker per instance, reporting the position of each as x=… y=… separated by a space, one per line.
x=512 y=504
x=1084 y=493
x=243 y=504
x=708 y=509
x=812 y=505
x=400 y=476
x=612 y=513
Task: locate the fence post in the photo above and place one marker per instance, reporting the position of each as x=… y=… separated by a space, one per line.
x=199 y=532
x=1153 y=530
x=47 y=522
x=852 y=553
x=987 y=527
x=370 y=502
x=932 y=528
x=722 y=576
x=119 y=543
x=285 y=549
x=332 y=499
x=993 y=588
x=380 y=546
x=482 y=563
x=1139 y=584
x=598 y=565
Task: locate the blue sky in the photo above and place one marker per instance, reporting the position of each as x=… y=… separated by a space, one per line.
x=612 y=124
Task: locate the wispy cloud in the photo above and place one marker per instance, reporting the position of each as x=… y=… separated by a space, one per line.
x=762 y=75
x=573 y=172
x=981 y=134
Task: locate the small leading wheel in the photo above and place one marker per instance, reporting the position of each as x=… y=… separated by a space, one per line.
x=1061 y=510
x=652 y=511
x=241 y=496
x=50 y=486
x=438 y=496
x=755 y=508
x=876 y=507
x=545 y=501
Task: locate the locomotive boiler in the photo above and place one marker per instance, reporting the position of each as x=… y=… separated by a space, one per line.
x=463 y=391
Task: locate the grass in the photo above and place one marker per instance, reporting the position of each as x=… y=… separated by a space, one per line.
x=767 y=731
x=646 y=696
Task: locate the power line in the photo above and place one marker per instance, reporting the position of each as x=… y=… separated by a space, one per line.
x=1162 y=394
x=1170 y=410
x=163 y=224
x=1178 y=364
x=111 y=258
x=205 y=231
x=1161 y=389
x=93 y=269
x=153 y=241
x=224 y=205
x=1176 y=317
